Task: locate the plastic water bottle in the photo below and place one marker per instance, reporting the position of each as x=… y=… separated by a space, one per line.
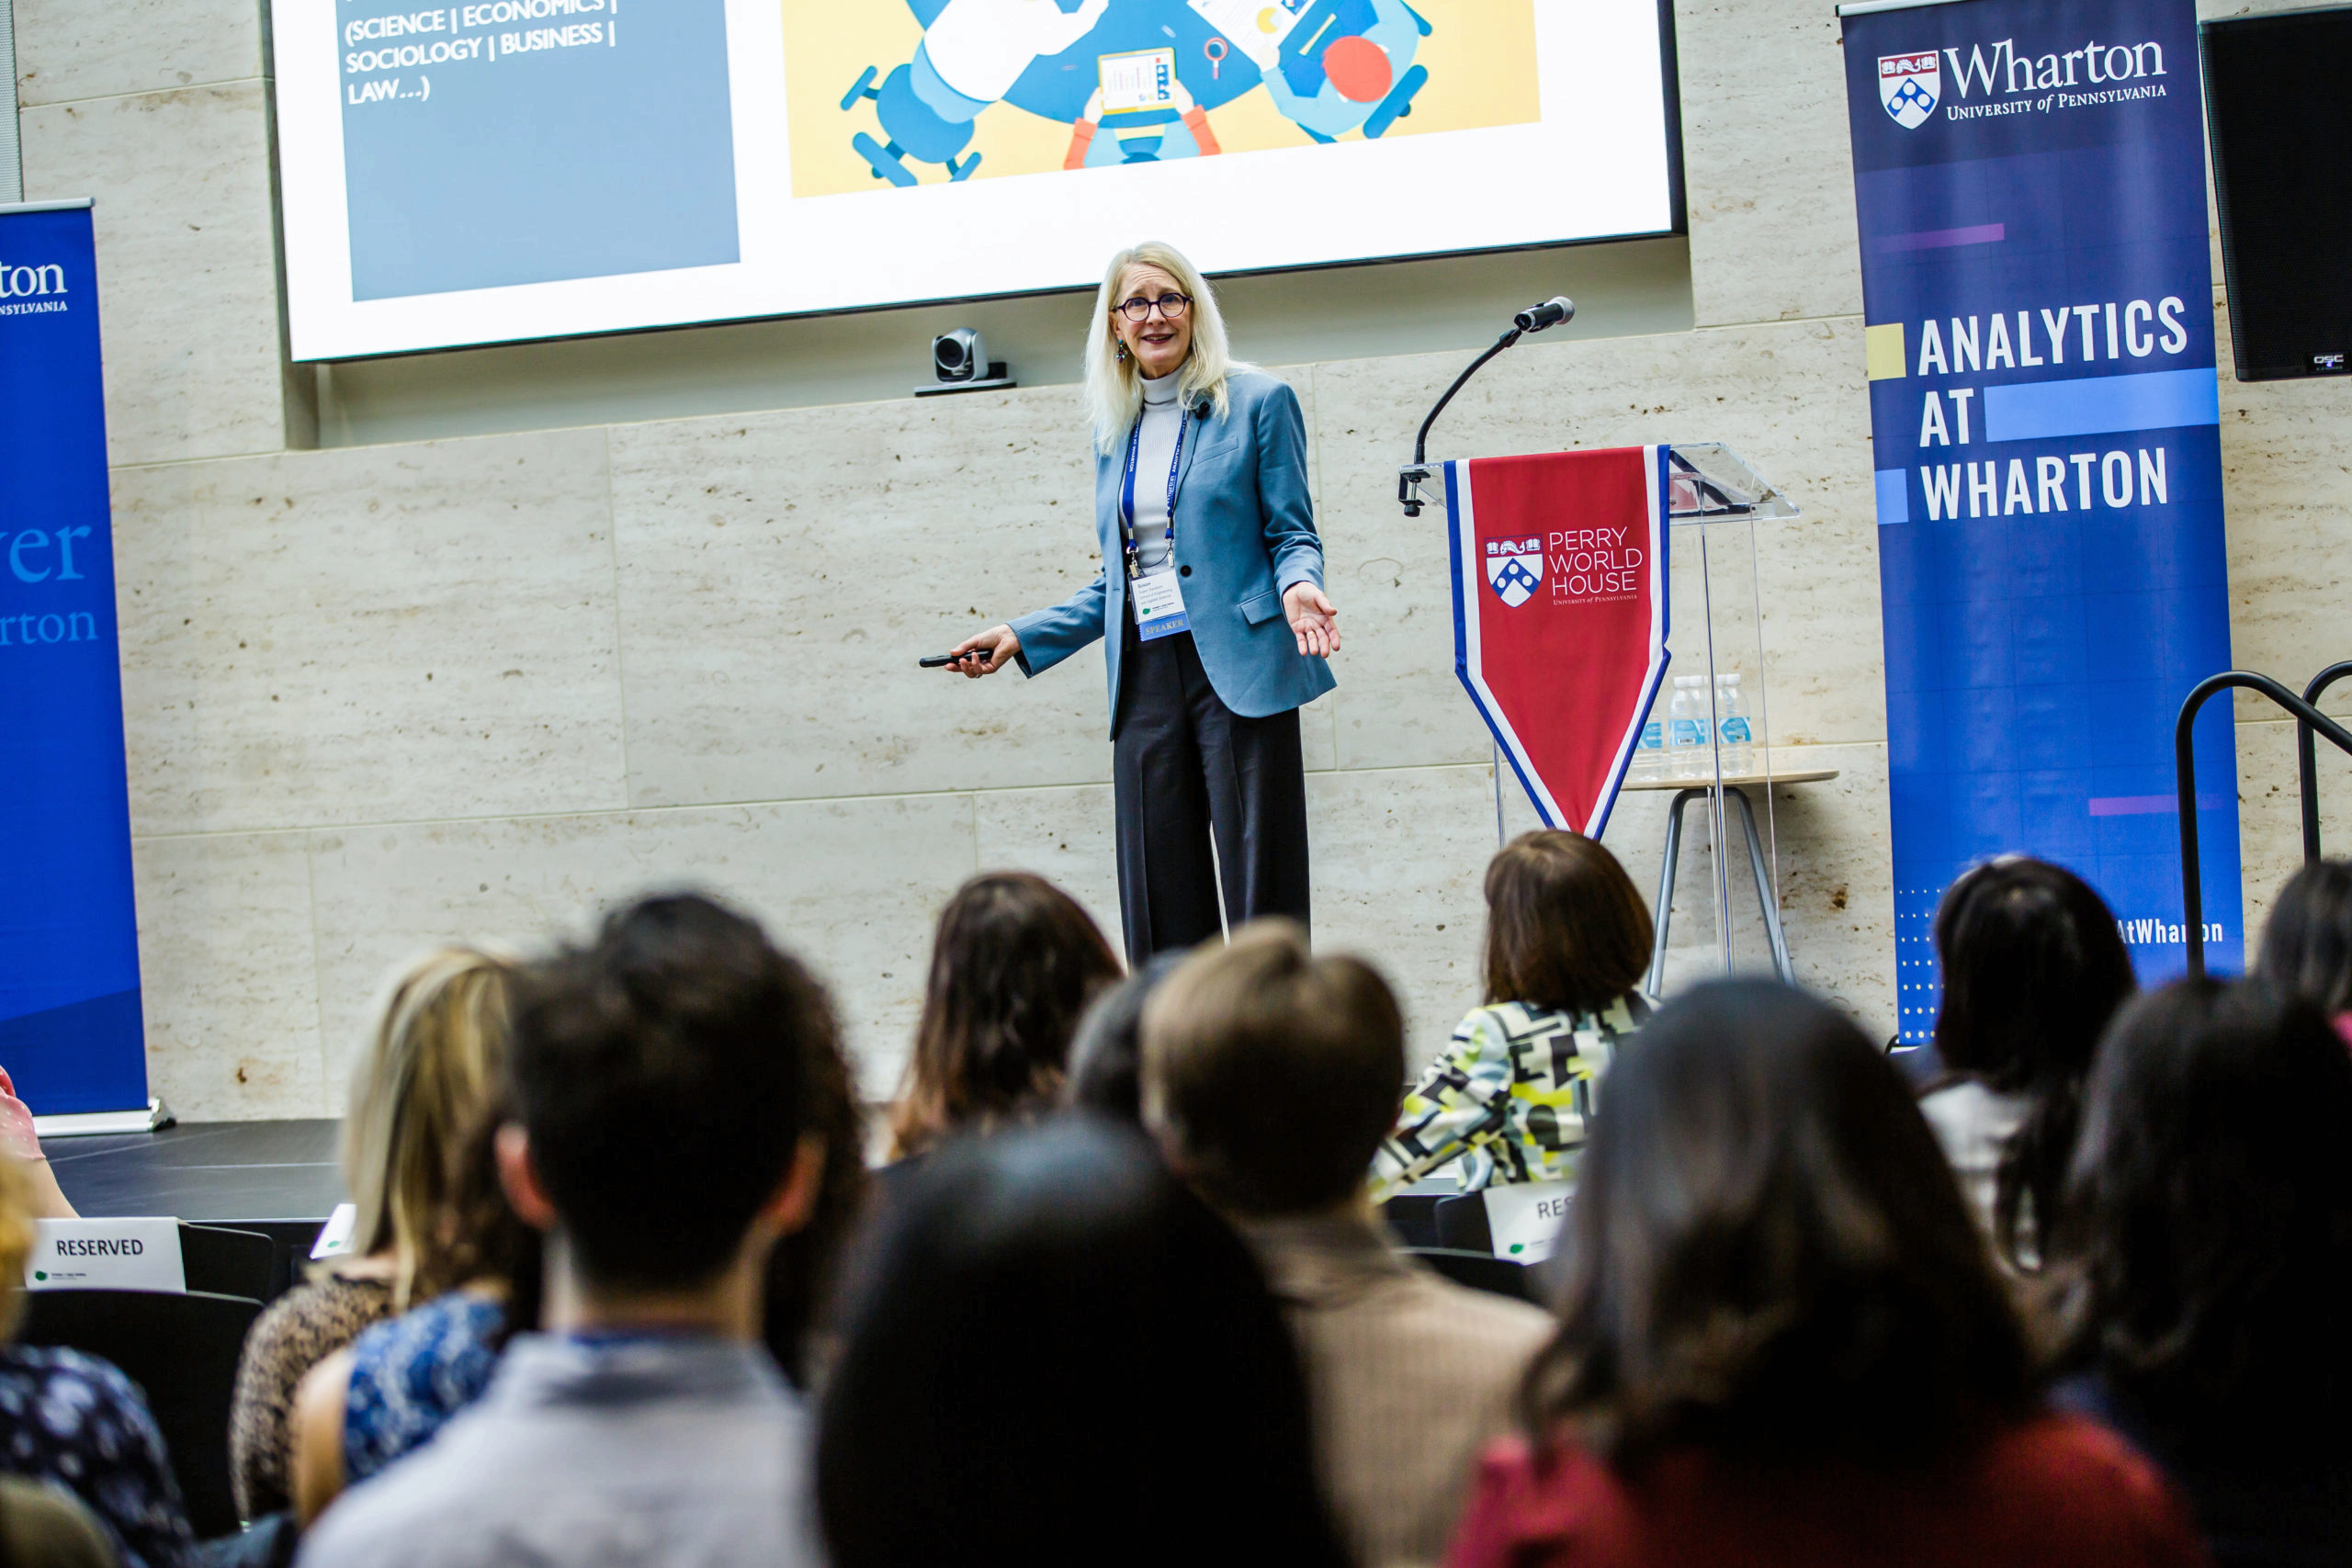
x=1649 y=751
x=1731 y=724
x=1686 y=729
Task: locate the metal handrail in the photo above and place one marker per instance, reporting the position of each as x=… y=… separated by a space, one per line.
x=2184 y=751
x=2306 y=762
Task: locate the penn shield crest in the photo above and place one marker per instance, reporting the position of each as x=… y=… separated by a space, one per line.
x=1514 y=569
x=1909 y=85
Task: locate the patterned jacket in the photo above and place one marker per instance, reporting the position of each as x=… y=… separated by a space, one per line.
x=1509 y=1095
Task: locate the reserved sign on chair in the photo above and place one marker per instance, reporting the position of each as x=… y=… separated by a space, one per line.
x=1524 y=1218
x=106 y=1254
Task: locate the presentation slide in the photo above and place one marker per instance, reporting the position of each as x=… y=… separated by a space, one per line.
x=494 y=171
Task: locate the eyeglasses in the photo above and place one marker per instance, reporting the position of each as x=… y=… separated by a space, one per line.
x=1172 y=308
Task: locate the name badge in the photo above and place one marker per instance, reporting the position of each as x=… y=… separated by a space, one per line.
x=1159 y=604
x=106 y=1254
x=1524 y=1218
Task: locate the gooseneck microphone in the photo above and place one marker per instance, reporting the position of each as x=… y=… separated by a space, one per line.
x=1551 y=313
x=1534 y=319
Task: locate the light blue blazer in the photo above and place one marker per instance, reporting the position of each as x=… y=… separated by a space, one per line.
x=1245 y=533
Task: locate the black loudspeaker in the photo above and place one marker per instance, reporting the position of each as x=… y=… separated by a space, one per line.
x=2278 y=106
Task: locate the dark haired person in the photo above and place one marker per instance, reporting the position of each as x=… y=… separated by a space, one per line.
x=2307 y=944
x=2033 y=968
x=2206 y=1258
x=1106 y=1057
x=1567 y=939
x=1270 y=1077
x=664 y=1143
x=1782 y=1341
x=1056 y=1355
x=1013 y=964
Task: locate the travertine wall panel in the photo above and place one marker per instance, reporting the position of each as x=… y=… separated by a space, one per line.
x=849 y=884
x=1767 y=167
x=228 y=975
x=373 y=634
x=74 y=49
x=187 y=271
x=2287 y=471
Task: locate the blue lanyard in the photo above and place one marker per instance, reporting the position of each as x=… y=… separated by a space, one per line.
x=1127 y=494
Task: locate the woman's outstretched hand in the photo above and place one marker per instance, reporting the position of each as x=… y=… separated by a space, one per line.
x=1314 y=620
x=984 y=654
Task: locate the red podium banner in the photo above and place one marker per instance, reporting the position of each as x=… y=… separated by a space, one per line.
x=1560 y=614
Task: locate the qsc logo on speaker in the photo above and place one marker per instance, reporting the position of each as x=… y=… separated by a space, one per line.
x=1908 y=85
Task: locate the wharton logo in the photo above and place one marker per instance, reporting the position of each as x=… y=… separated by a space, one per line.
x=1514 y=569
x=1908 y=85
x=29 y=281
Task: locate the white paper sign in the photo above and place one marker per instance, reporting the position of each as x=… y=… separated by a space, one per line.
x=1524 y=1218
x=334 y=1236
x=106 y=1254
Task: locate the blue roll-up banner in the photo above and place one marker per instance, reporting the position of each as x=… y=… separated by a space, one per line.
x=2030 y=178
x=70 y=1031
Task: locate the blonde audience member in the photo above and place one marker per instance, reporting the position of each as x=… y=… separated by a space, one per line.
x=1567 y=939
x=1013 y=965
x=663 y=1142
x=432 y=1058
x=1270 y=1077
x=396 y=1385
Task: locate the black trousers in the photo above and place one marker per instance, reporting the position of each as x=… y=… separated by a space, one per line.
x=1184 y=766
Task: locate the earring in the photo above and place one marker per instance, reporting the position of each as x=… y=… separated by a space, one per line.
x=1123 y=352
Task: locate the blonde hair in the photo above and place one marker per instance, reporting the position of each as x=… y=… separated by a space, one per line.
x=1115 y=385
x=434 y=1058
x=16 y=1242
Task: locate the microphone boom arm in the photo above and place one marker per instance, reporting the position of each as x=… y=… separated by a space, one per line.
x=1532 y=319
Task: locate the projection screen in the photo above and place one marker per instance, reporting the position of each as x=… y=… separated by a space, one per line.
x=490 y=171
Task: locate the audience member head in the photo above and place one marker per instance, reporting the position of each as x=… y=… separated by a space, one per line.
x=1107 y=1056
x=1055 y=1353
x=1769 y=1254
x=1566 y=927
x=801 y=1269
x=1013 y=965
x=2307 y=946
x=1270 y=1075
x=481 y=1241
x=2033 y=968
x=664 y=1128
x=2207 y=1243
x=433 y=1061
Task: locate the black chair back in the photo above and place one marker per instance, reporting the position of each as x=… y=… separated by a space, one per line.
x=182 y=1351
x=1482 y=1272
x=223 y=1262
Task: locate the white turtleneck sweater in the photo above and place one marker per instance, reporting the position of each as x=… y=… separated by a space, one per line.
x=1163 y=417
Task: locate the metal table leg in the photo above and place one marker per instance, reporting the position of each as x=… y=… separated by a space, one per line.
x=1656 y=976
x=1766 y=900
x=1765 y=897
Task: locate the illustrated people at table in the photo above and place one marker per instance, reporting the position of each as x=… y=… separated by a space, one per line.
x=1150 y=70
